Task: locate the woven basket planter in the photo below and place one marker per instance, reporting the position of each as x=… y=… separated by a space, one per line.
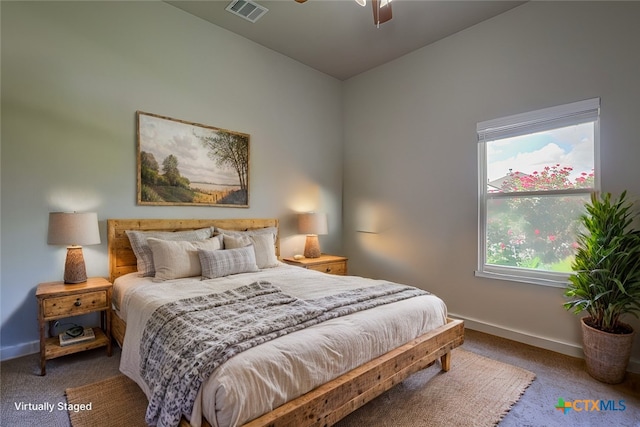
x=607 y=355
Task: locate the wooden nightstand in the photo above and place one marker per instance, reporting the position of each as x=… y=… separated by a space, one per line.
x=56 y=300
x=330 y=264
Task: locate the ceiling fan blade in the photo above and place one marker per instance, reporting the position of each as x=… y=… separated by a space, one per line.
x=381 y=14
x=301 y=1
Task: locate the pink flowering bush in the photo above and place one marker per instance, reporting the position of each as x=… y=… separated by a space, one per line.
x=536 y=231
x=549 y=178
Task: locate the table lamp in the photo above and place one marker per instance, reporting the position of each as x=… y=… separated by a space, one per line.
x=74 y=229
x=312 y=224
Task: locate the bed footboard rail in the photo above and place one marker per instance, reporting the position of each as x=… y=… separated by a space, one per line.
x=329 y=403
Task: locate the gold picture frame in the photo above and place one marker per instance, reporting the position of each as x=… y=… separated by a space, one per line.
x=184 y=163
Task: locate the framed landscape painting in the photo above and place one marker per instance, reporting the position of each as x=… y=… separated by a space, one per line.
x=184 y=163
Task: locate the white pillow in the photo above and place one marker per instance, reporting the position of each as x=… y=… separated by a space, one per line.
x=142 y=251
x=177 y=259
x=229 y=261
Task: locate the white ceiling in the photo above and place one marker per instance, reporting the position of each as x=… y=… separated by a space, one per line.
x=338 y=37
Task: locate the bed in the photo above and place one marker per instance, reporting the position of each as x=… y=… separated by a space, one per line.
x=327 y=384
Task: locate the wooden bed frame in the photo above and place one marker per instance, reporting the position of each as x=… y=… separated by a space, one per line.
x=327 y=404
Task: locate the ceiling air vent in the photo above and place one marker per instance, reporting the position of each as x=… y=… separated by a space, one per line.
x=247 y=9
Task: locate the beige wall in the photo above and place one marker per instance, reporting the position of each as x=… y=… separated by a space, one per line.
x=73 y=75
x=416 y=162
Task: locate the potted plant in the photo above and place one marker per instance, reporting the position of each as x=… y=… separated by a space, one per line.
x=606 y=284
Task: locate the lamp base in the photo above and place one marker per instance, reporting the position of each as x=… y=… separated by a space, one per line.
x=74 y=268
x=312 y=246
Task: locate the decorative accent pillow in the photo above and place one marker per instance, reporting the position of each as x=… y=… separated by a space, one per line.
x=177 y=259
x=229 y=261
x=142 y=251
x=262 y=239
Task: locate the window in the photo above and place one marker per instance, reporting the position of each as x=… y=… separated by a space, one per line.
x=536 y=171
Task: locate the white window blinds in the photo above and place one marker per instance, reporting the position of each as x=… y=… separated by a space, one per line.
x=540 y=120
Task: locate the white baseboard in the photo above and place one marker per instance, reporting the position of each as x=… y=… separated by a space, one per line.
x=536 y=341
x=7 y=353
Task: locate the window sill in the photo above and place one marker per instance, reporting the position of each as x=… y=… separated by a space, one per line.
x=555 y=283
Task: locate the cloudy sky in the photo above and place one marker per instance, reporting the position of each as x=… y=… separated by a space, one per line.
x=163 y=137
x=571 y=146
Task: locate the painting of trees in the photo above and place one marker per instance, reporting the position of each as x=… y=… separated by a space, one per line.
x=185 y=163
x=227 y=149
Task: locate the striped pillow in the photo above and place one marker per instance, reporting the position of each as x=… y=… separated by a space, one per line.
x=226 y=262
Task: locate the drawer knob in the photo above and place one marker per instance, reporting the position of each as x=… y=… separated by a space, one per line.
x=328 y=270
x=78 y=303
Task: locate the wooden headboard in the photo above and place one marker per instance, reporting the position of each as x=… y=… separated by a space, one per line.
x=121 y=257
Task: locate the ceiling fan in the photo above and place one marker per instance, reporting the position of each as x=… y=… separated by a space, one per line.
x=381 y=10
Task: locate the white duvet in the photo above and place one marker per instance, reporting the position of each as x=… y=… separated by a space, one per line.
x=264 y=377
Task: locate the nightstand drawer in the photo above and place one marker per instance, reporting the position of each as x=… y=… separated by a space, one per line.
x=71 y=305
x=325 y=263
x=339 y=268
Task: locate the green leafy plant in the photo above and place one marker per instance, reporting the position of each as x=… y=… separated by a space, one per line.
x=606 y=278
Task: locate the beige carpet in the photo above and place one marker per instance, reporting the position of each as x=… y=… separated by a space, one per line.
x=477 y=391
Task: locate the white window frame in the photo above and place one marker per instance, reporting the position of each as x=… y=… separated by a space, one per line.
x=523 y=124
